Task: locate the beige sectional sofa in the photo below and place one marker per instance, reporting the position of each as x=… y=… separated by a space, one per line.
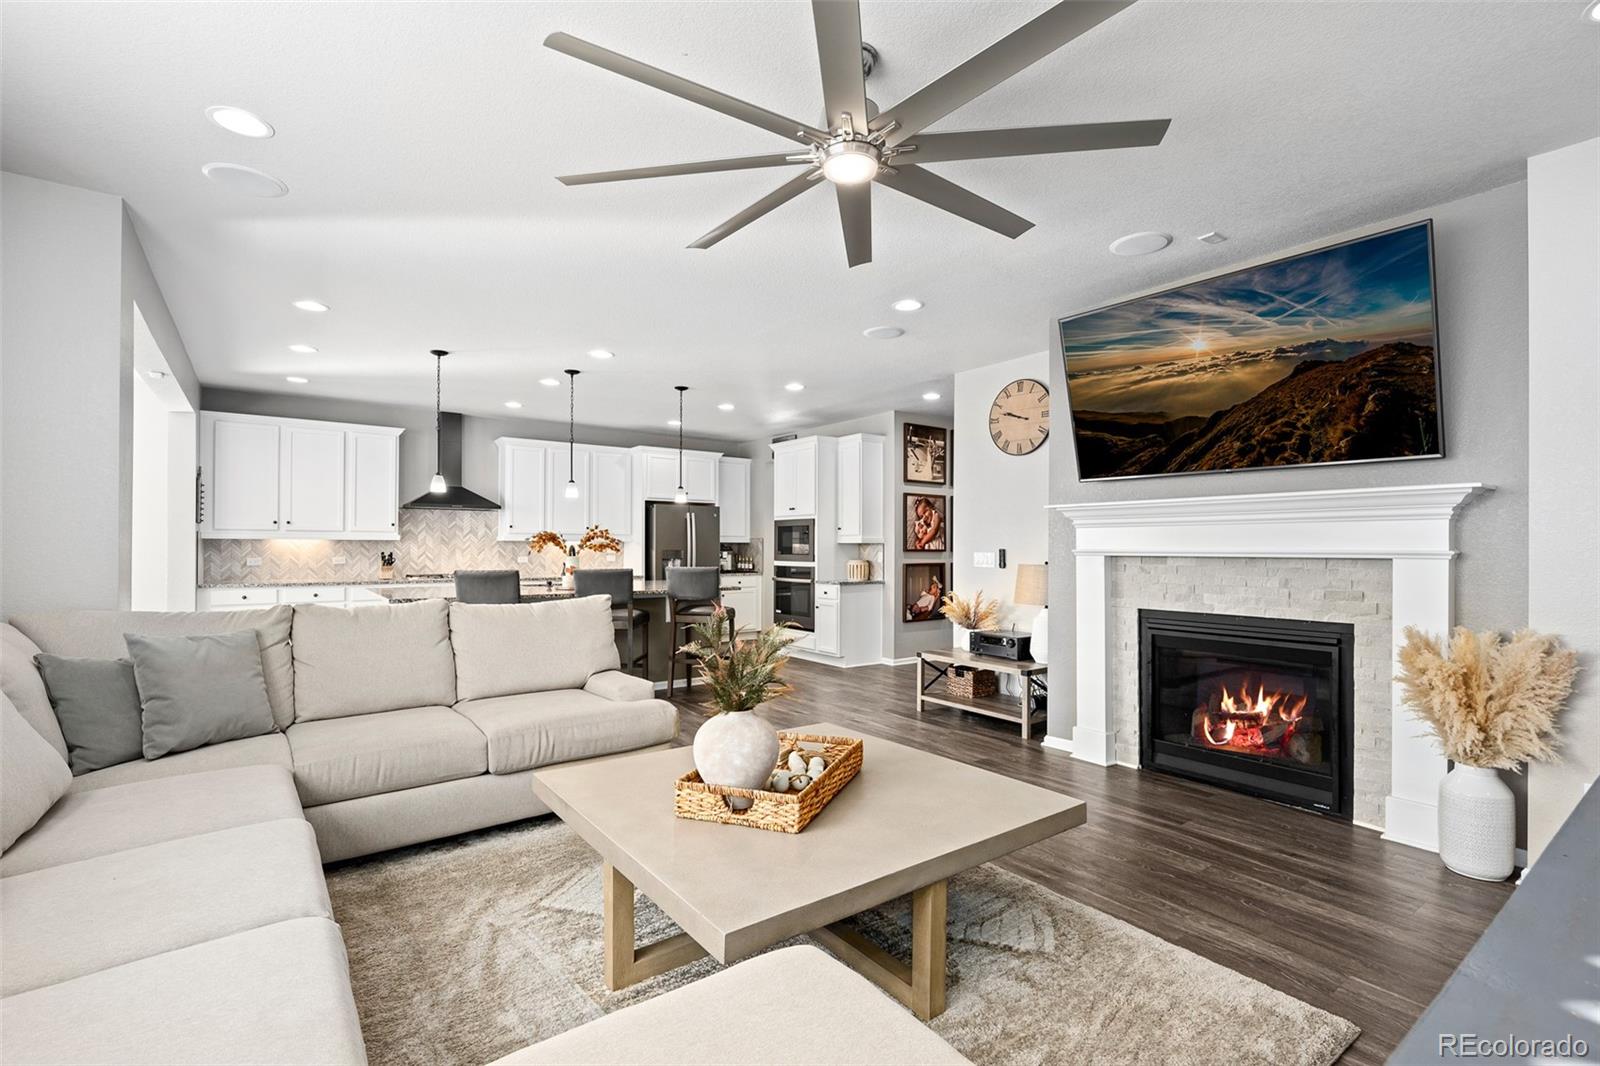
x=174 y=910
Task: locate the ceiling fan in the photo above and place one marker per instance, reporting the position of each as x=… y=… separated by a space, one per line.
x=890 y=148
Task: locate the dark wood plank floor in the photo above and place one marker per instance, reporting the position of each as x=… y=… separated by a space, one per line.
x=1317 y=908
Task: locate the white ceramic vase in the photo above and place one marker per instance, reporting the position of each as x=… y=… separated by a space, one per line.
x=737 y=749
x=1039 y=646
x=962 y=637
x=1477 y=823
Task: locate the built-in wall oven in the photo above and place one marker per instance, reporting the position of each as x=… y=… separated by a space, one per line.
x=792 y=540
x=792 y=590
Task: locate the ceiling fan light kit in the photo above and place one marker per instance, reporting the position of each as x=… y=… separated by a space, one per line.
x=860 y=146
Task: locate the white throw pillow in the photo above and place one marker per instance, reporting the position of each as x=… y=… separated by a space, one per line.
x=506 y=648
x=32 y=774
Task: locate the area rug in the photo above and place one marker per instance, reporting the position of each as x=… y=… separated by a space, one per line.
x=467 y=949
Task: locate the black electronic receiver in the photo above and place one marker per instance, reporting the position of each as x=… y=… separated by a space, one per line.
x=1014 y=646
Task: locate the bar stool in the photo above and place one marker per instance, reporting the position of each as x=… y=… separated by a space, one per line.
x=693 y=595
x=618 y=584
x=488 y=586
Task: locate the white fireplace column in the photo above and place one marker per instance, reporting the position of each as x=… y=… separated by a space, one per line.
x=1410 y=525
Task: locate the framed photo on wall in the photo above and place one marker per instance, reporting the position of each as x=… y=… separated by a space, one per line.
x=926 y=522
x=923 y=592
x=927 y=455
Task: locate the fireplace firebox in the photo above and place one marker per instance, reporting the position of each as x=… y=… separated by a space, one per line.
x=1259 y=705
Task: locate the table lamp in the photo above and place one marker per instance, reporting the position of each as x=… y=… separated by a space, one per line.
x=1033 y=589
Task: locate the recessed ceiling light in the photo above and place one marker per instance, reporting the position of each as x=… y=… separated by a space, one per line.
x=794 y=386
x=1594 y=11
x=1140 y=243
x=930 y=396
x=238 y=120
x=908 y=304
x=883 y=333
x=674 y=423
x=1211 y=238
x=514 y=404
x=291 y=379
x=246 y=180
x=549 y=383
x=303 y=349
x=311 y=305
x=600 y=353
x=724 y=406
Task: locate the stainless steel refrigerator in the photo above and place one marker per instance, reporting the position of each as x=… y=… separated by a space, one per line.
x=681 y=534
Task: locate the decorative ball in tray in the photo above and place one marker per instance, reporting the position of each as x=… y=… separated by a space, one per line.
x=811 y=770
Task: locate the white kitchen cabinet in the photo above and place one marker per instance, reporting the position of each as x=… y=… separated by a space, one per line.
x=524 y=487
x=235 y=599
x=860 y=489
x=611 y=491
x=372 y=483
x=733 y=498
x=659 y=474
x=332 y=594
x=794 y=479
x=570 y=517
x=825 y=620
x=292 y=477
x=741 y=593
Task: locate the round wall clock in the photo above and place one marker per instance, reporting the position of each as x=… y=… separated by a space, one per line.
x=1019 y=418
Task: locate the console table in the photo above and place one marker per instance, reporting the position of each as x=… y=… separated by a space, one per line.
x=1030 y=677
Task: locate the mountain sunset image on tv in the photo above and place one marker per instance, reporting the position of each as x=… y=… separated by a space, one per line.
x=1325 y=357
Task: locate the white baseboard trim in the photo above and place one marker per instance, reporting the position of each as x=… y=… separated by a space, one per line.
x=1368 y=825
x=1056 y=743
x=1411 y=822
x=1092 y=745
x=907 y=661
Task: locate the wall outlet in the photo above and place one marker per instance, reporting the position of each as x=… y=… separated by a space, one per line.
x=338 y=560
x=983 y=560
x=252 y=560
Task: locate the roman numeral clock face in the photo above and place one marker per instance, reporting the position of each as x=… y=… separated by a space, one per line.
x=1019 y=418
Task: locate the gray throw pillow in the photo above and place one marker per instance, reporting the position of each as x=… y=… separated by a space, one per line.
x=199 y=690
x=97 y=703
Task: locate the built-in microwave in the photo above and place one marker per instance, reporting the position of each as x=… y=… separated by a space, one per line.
x=792 y=590
x=793 y=539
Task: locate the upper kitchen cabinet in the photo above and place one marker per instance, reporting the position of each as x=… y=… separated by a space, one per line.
x=733 y=498
x=611 y=491
x=524 y=487
x=533 y=483
x=794 y=478
x=658 y=471
x=860 y=487
x=292 y=477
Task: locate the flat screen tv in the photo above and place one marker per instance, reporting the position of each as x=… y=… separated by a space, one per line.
x=1326 y=357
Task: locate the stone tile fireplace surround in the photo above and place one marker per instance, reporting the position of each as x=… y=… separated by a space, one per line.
x=1378 y=558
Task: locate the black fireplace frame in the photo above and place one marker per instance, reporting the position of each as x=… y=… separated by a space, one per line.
x=1245 y=773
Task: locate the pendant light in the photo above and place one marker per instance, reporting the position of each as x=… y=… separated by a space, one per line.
x=438 y=484
x=571 y=491
x=682 y=495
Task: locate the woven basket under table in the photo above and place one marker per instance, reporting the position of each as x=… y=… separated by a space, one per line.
x=966 y=683
x=781 y=812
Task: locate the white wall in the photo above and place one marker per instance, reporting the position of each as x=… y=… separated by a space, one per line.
x=1564 y=457
x=1002 y=499
x=150 y=527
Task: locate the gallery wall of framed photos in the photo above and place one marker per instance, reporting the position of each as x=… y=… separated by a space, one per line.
x=924 y=532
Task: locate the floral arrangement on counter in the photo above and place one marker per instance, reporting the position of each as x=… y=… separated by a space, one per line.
x=600 y=541
x=973 y=613
x=547 y=539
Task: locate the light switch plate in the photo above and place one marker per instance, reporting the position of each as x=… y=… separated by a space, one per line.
x=983 y=560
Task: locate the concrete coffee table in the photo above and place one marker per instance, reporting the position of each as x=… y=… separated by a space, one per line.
x=907 y=823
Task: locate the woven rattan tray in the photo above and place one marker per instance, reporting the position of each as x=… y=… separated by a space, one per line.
x=781 y=812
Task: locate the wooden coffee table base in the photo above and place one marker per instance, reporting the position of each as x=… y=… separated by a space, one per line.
x=920 y=986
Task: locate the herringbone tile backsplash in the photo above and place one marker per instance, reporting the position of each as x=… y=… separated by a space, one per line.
x=431 y=542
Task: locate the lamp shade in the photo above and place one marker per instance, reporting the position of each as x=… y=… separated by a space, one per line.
x=1033 y=585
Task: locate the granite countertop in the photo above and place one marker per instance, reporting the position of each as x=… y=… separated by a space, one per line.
x=532 y=589
x=376 y=582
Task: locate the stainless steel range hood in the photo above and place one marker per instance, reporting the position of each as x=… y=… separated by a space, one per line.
x=457 y=497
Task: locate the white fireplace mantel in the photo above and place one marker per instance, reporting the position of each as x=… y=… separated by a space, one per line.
x=1408 y=524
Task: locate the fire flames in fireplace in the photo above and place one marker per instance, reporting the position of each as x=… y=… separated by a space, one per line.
x=1263 y=723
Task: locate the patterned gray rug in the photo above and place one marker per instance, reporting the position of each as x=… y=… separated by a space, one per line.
x=465 y=950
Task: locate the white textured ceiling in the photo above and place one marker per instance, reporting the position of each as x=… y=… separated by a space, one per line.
x=420 y=141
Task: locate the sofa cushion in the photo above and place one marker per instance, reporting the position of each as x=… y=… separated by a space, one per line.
x=380 y=658
x=616 y=685
x=731 y=1017
x=535 y=729
x=501 y=649
x=269 y=750
x=104 y=820
x=342 y=758
x=66 y=921
x=21 y=683
x=100 y=635
x=32 y=775
x=201 y=690
x=280 y=993
x=97 y=705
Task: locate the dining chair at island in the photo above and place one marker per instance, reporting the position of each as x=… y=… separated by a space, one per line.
x=488 y=586
x=693 y=595
x=625 y=617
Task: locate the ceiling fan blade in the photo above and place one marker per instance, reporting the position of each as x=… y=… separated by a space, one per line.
x=855 y=213
x=932 y=189
x=1034 y=140
x=1017 y=50
x=776 y=198
x=844 y=88
x=688 y=90
x=707 y=166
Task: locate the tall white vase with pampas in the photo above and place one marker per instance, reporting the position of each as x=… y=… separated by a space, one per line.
x=1477 y=823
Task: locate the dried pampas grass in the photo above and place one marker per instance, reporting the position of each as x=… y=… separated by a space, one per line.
x=1491 y=702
